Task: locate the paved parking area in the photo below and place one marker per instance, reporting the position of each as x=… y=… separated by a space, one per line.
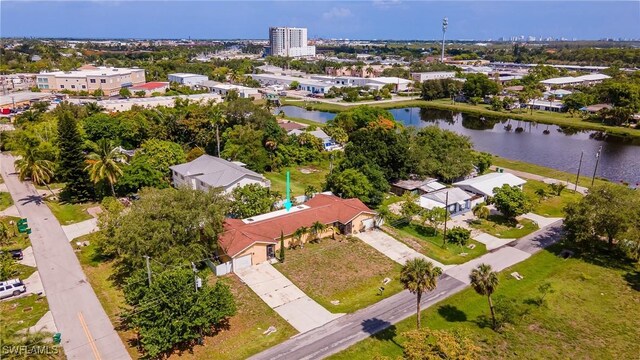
x=394 y=249
x=298 y=309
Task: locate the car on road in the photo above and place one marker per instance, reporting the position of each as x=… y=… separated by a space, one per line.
x=16 y=254
x=13 y=287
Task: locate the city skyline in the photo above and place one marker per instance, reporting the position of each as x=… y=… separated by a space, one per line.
x=393 y=19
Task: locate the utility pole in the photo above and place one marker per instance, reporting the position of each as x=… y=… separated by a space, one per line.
x=445 y=23
x=595 y=169
x=146 y=258
x=579 y=166
x=195 y=277
x=446 y=215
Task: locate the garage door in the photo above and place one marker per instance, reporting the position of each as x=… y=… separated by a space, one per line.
x=241 y=262
x=368 y=224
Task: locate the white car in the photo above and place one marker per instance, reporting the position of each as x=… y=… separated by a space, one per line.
x=13 y=287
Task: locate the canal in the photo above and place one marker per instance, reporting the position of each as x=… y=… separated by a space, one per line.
x=546 y=145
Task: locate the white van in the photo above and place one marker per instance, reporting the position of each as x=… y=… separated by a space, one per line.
x=13 y=287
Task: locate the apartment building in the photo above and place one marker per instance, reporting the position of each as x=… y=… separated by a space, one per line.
x=290 y=42
x=90 y=78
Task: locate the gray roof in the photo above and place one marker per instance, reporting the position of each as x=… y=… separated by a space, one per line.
x=455 y=195
x=214 y=171
x=317 y=133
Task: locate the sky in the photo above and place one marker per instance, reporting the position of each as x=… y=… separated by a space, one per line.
x=363 y=19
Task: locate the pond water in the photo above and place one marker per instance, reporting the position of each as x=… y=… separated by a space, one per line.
x=546 y=145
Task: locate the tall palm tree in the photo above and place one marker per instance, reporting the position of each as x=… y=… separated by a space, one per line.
x=369 y=71
x=419 y=276
x=31 y=166
x=105 y=164
x=485 y=281
x=93 y=108
x=218 y=118
x=300 y=233
x=317 y=228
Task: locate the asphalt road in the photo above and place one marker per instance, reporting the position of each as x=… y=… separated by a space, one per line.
x=87 y=332
x=339 y=334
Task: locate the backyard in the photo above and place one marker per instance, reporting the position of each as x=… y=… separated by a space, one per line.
x=348 y=271
x=504 y=228
x=70 y=213
x=604 y=289
x=300 y=177
x=17 y=240
x=423 y=241
x=552 y=205
x=243 y=338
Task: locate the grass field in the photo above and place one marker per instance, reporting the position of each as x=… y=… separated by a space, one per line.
x=499 y=226
x=243 y=338
x=431 y=246
x=18 y=241
x=349 y=271
x=552 y=205
x=301 y=176
x=5 y=200
x=593 y=314
x=70 y=213
x=22 y=313
x=335 y=108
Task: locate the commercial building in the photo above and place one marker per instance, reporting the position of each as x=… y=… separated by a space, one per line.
x=310 y=85
x=289 y=42
x=363 y=71
x=22 y=98
x=257 y=239
x=434 y=75
x=187 y=79
x=209 y=172
x=590 y=79
x=222 y=89
x=150 y=88
x=90 y=78
x=151 y=102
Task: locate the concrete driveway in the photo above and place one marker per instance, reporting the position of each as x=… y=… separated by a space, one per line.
x=499 y=260
x=540 y=220
x=298 y=309
x=394 y=249
x=490 y=241
x=82 y=228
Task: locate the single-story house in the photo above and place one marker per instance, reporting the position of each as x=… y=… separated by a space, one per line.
x=327 y=141
x=150 y=88
x=546 y=105
x=254 y=240
x=588 y=79
x=291 y=125
x=484 y=184
x=455 y=200
x=592 y=109
x=223 y=88
x=208 y=172
x=416 y=186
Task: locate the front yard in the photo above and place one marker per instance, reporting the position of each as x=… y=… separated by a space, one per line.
x=426 y=243
x=5 y=200
x=501 y=227
x=23 y=312
x=348 y=271
x=552 y=205
x=68 y=214
x=243 y=338
x=16 y=240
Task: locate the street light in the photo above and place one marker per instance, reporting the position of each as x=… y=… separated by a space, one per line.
x=445 y=23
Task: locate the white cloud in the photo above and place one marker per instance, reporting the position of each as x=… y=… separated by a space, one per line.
x=386 y=3
x=336 y=12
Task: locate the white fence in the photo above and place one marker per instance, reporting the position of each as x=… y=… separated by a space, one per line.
x=224 y=268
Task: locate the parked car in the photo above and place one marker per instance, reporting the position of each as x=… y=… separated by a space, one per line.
x=13 y=287
x=16 y=254
x=282 y=93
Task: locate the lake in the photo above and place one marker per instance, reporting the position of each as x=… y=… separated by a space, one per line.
x=546 y=145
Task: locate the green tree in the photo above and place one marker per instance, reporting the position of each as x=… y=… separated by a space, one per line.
x=427 y=344
x=294 y=85
x=138 y=174
x=485 y=281
x=338 y=134
x=419 y=276
x=481 y=211
x=251 y=200
x=557 y=188
x=510 y=201
x=8 y=266
x=409 y=207
x=78 y=186
x=458 y=236
x=124 y=92
x=140 y=93
x=299 y=235
x=244 y=143
x=32 y=166
x=350 y=183
x=483 y=161
x=105 y=164
x=161 y=154
x=98 y=93
x=316 y=229
x=172 y=312
x=441 y=153
x=541 y=193
x=434 y=217
x=479 y=85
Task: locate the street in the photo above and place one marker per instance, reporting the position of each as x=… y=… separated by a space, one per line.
x=87 y=332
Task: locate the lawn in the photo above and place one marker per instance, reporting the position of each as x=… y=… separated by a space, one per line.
x=243 y=339
x=501 y=227
x=23 y=312
x=593 y=314
x=349 y=271
x=301 y=176
x=70 y=213
x=24 y=271
x=552 y=205
x=424 y=242
x=5 y=200
x=18 y=241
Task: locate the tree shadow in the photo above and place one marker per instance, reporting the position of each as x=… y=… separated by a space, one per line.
x=452 y=313
x=36 y=199
x=380 y=330
x=596 y=253
x=633 y=279
x=483 y=321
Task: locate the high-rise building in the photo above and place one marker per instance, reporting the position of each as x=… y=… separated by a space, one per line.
x=291 y=42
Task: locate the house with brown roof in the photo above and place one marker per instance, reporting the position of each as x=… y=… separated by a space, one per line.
x=251 y=241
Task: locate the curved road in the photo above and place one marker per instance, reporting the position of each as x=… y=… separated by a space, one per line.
x=345 y=331
x=87 y=332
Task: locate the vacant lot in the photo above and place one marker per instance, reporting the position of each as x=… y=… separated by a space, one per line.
x=552 y=205
x=416 y=237
x=5 y=200
x=16 y=240
x=349 y=271
x=300 y=176
x=243 y=338
x=499 y=226
x=592 y=314
x=70 y=213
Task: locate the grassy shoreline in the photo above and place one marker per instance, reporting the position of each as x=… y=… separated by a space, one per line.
x=543 y=117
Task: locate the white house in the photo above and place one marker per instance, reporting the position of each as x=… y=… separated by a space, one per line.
x=456 y=200
x=546 y=105
x=484 y=184
x=589 y=79
x=208 y=172
x=187 y=79
x=314 y=86
x=328 y=142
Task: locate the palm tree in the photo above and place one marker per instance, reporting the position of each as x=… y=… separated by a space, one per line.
x=300 y=233
x=38 y=339
x=93 y=108
x=369 y=71
x=104 y=164
x=419 y=276
x=217 y=118
x=316 y=229
x=30 y=166
x=485 y=281
x=6 y=233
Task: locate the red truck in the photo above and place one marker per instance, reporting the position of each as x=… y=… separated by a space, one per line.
x=5 y=111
